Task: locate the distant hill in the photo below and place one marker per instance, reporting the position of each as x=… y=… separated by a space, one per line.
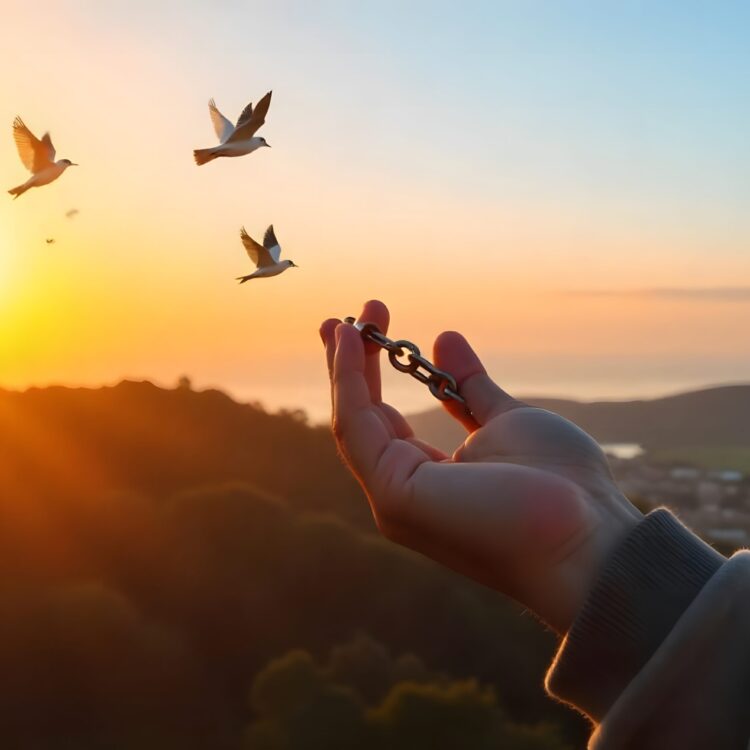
x=137 y=437
x=711 y=417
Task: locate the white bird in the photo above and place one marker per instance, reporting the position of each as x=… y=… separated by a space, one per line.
x=38 y=157
x=266 y=256
x=235 y=140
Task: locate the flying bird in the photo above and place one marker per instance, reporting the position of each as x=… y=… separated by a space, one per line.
x=235 y=140
x=50 y=240
x=72 y=213
x=265 y=256
x=38 y=157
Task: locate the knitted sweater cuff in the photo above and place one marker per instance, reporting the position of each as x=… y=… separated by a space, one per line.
x=648 y=583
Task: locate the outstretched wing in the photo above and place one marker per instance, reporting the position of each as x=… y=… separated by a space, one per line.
x=246 y=114
x=222 y=126
x=35 y=154
x=256 y=119
x=258 y=254
x=272 y=244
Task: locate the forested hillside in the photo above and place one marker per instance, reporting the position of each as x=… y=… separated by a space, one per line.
x=181 y=571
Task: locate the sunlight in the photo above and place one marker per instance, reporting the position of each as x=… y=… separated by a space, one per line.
x=7 y=269
x=12 y=290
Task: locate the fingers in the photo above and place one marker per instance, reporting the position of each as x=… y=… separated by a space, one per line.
x=327 y=334
x=366 y=428
x=382 y=461
x=361 y=433
x=375 y=312
x=484 y=398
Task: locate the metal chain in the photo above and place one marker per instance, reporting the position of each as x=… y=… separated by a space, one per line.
x=442 y=384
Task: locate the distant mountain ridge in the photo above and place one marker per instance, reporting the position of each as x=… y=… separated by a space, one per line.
x=709 y=417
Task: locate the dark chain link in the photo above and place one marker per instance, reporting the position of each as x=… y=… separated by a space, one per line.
x=442 y=384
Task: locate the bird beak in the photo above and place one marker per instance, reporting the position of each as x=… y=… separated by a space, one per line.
x=73 y=164
x=268 y=145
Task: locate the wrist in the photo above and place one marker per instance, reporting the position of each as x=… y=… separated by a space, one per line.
x=615 y=518
x=605 y=520
x=650 y=579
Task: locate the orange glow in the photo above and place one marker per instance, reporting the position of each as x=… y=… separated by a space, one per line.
x=141 y=282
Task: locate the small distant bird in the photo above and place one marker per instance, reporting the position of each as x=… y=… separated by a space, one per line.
x=265 y=256
x=235 y=140
x=72 y=213
x=38 y=157
x=50 y=240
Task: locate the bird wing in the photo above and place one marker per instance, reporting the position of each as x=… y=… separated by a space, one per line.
x=258 y=254
x=257 y=118
x=246 y=114
x=222 y=126
x=35 y=154
x=272 y=244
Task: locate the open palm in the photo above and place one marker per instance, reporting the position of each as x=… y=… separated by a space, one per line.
x=526 y=505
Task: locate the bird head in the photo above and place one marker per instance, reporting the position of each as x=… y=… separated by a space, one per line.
x=67 y=163
x=264 y=142
x=291 y=264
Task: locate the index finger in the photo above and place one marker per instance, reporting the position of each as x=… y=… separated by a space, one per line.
x=379 y=459
x=375 y=312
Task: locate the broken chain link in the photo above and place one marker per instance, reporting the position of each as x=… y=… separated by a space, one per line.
x=442 y=384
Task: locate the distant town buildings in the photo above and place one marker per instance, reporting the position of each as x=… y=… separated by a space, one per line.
x=715 y=504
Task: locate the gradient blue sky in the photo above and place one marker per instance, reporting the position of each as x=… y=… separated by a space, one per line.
x=518 y=171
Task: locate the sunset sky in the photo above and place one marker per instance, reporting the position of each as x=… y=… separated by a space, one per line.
x=567 y=183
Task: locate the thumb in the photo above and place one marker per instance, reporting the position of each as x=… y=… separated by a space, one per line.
x=484 y=398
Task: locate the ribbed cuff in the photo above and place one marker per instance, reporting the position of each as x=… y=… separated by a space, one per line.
x=645 y=587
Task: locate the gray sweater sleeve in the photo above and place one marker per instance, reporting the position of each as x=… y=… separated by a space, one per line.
x=659 y=655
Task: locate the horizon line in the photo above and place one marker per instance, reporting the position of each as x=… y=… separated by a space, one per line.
x=291 y=408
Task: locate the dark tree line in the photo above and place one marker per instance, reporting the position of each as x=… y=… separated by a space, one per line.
x=361 y=697
x=175 y=568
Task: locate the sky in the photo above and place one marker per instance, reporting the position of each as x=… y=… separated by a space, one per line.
x=566 y=183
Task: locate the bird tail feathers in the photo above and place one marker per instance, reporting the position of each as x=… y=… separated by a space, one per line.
x=203 y=155
x=243 y=279
x=16 y=191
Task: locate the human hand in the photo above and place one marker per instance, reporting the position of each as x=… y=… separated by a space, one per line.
x=527 y=504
